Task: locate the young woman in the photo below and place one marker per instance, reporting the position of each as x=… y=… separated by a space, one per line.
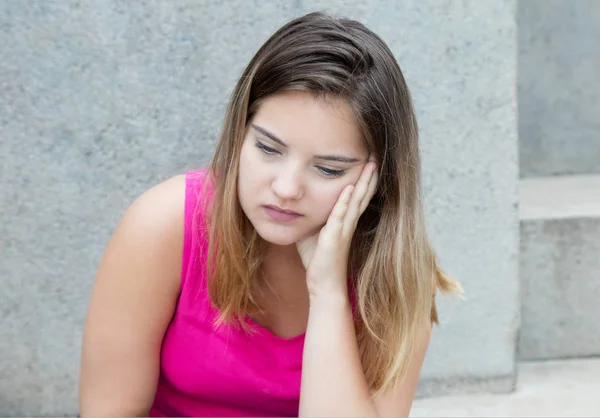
x=292 y=277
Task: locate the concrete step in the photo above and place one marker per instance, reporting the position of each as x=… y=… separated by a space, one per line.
x=544 y=389
x=560 y=267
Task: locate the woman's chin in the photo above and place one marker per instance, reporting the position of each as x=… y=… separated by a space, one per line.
x=282 y=238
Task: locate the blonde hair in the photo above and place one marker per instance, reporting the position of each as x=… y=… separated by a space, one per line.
x=394 y=269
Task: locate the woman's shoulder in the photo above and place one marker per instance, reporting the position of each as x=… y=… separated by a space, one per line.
x=162 y=202
x=161 y=222
x=158 y=213
x=165 y=202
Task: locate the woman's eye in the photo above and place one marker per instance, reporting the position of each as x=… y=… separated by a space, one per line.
x=265 y=149
x=331 y=173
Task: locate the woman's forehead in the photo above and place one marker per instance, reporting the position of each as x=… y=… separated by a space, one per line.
x=300 y=118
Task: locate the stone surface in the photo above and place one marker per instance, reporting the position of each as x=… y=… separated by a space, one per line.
x=544 y=389
x=559 y=197
x=559 y=87
x=560 y=267
x=101 y=100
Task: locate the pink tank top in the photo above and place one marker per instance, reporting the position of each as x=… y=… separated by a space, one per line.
x=209 y=371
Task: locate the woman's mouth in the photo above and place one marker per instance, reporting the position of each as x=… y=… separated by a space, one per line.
x=280 y=215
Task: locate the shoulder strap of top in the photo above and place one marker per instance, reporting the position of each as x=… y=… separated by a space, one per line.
x=198 y=192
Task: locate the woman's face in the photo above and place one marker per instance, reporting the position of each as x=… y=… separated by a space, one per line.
x=298 y=154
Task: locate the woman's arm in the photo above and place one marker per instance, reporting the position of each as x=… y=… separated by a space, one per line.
x=333 y=382
x=132 y=303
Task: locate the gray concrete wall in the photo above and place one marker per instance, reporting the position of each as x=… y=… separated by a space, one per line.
x=459 y=59
x=559 y=87
x=100 y=100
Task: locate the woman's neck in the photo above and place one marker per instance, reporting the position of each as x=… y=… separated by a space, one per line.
x=284 y=271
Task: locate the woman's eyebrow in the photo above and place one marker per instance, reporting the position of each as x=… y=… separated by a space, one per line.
x=337 y=158
x=269 y=135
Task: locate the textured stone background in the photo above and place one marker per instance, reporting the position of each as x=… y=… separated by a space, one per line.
x=102 y=99
x=560 y=288
x=559 y=87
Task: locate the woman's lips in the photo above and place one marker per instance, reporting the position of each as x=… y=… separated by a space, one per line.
x=279 y=214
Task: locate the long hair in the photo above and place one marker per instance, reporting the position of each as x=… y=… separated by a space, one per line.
x=393 y=267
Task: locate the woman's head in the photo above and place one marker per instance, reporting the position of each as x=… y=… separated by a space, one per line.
x=298 y=153
x=322 y=86
x=326 y=87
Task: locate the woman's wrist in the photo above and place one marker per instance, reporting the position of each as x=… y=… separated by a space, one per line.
x=329 y=294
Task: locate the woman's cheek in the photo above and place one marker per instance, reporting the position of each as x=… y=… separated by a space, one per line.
x=329 y=198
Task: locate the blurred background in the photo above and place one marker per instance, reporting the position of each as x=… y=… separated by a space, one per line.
x=101 y=99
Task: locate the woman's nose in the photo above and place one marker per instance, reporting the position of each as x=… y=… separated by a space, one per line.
x=288 y=185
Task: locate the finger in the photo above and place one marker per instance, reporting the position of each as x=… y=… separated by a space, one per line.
x=365 y=196
x=370 y=192
x=359 y=194
x=338 y=213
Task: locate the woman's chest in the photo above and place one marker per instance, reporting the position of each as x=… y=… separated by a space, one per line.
x=284 y=319
x=227 y=366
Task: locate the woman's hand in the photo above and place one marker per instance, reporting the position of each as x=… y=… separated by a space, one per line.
x=325 y=254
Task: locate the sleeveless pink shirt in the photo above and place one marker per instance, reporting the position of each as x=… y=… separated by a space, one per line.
x=209 y=371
